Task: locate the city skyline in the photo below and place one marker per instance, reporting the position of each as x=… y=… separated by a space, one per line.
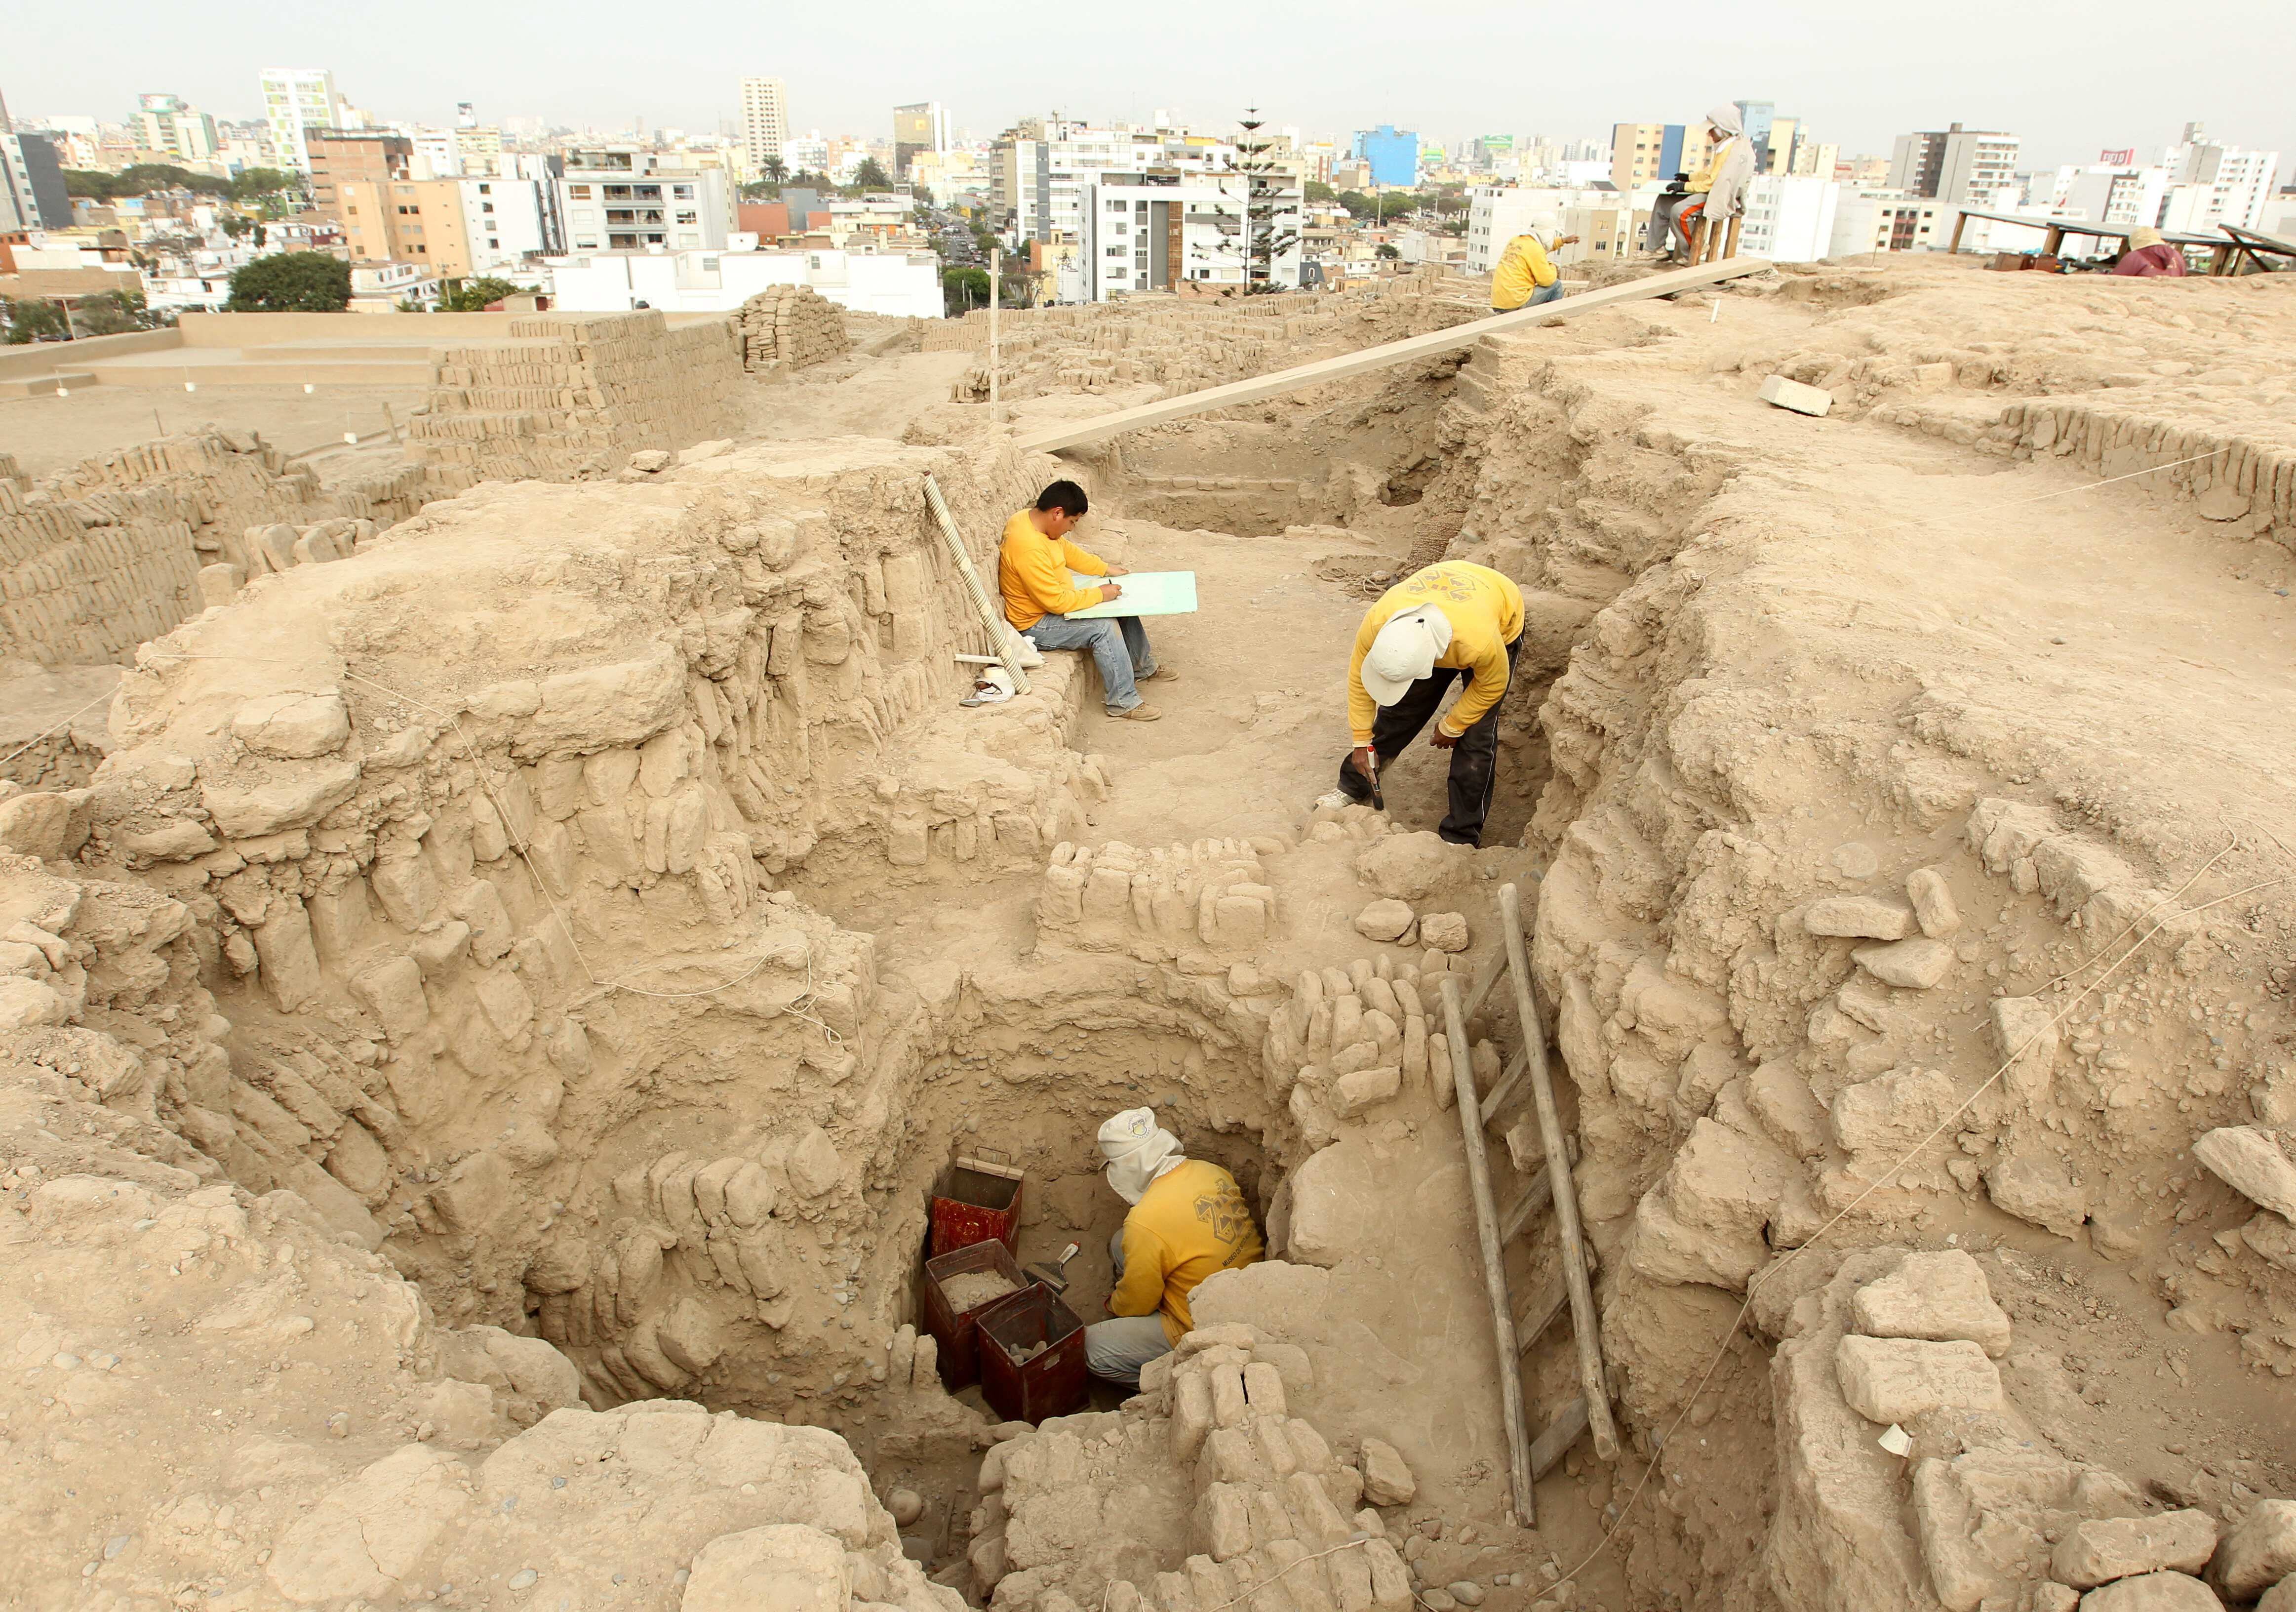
x=2032 y=71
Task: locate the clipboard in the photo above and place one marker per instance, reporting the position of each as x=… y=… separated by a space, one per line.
x=1146 y=593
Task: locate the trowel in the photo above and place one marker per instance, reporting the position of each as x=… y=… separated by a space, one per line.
x=1054 y=1275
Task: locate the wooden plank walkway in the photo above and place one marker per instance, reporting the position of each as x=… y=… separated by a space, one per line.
x=1260 y=387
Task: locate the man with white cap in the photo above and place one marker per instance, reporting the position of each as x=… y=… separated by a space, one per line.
x=1452 y=618
x=1525 y=277
x=1188 y=1219
x=1717 y=191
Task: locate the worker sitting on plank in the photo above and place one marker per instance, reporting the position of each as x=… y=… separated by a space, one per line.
x=1435 y=624
x=1188 y=1219
x=1032 y=572
x=1525 y=277
x=1717 y=191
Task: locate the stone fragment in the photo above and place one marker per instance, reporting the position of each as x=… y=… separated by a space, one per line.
x=1940 y=1297
x=1387 y=1479
x=1861 y=917
x=2025 y=1037
x=1443 y=931
x=177 y=840
x=1802 y=399
x=1891 y=1111
x=2279 y=1598
x=1909 y=964
x=1387 y=920
x=367 y=1534
x=1352 y=1094
x=2152 y=1593
x=249 y=811
x=1410 y=867
x=1934 y=903
x=2249 y=1161
x=2039 y=1189
x=2257 y=1552
x=787 y=1567
x=1892 y=1379
x=2100 y=1550
x=292 y=725
x=815 y=1169
x=392 y=991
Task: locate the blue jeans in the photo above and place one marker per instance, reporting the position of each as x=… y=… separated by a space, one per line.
x=1545 y=293
x=1116 y=1348
x=1119 y=646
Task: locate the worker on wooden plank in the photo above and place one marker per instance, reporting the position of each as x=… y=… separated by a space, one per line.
x=1033 y=563
x=2150 y=256
x=1188 y=1220
x=1526 y=277
x=1453 y=619
x=1716 y=192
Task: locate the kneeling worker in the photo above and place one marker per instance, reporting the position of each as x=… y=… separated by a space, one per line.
x=1188 y=1220
x=1033 y=563
x=1450 y=619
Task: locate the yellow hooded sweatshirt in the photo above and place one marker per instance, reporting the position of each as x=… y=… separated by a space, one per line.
x=1523 y=268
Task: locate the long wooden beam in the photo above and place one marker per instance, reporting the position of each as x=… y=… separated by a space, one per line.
x=1378 y=358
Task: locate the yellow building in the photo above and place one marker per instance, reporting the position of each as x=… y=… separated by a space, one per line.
x=417 y=221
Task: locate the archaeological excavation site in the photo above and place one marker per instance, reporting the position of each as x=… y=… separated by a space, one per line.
x=554 y=1044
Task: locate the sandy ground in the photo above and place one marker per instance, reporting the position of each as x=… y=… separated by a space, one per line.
x=49 y=434
x=854 y=396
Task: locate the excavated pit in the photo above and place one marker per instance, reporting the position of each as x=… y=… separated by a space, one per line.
x=479 y=975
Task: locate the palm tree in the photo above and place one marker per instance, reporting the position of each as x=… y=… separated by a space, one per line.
x=776 y=170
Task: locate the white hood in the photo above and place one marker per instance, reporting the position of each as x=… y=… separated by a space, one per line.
x=1138 y=1150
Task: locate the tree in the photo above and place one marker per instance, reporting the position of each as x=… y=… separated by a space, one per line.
x=872 y=176
x=303 y=283
x=1317 y=191
x=777 y=171
x=963 y=289
x=1264 y=238
x=257 y=181
x=33 y=319
x=472 y=296
x=1388 y=252
x=112 y=313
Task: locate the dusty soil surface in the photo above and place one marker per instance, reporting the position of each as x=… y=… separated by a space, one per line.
x=49 y=434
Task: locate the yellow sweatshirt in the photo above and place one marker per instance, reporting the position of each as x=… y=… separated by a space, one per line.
x=1485 y=609
x=1523 y=268
x=1701 y=182
x=1032 y=573
x=1192 y=1222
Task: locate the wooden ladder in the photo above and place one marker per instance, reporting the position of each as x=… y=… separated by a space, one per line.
x=1528 y=1459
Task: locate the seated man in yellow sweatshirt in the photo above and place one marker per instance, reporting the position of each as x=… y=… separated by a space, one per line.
x=1033 y=563
x=1188 y=1220
x=1526 y=277
x=1450 y=619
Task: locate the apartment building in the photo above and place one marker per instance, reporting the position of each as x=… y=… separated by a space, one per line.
x=2212 y=183
x=620 y=197
x=337 y=157
x=921 y=129
x=1042 y=169
x=169 y=125
x=1652 y=153
x=295 y=100
x=1790 y=219
x=1886 y=220
x=764 y=120
x=1969 y=167
x=1149 y=229
x=1497 y=213
x=452 y=228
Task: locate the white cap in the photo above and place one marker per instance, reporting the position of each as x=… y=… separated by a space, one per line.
x=1405 y=651
x=1138 y=1150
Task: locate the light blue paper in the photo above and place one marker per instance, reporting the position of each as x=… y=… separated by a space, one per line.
x=1146 y=593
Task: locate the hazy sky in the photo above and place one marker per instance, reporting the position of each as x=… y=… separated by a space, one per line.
x=2071 y=78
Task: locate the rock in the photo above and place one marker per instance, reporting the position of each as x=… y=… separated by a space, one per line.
x=2257 y=1551
x=365 y=1535
x=2152 y=1593
x=2025 y=1031
x=2279 y=1598
x=1891 y=1379
x=247 y=812
x=815 y=1169
x=293 y=726
x=787 y=1567
x=2037 y=1189
x=37 y=825
x=2099 y=1550
x=1437 y=1600
x=1443 y=931
x=906 y=1505
x=1352 y=1094
x=1940 y=1297
x=1864 y=916
x=1909 y=964
x=2221 y=502
x=1933 y=904
x=1802 y=400
x=1386 y=1480
x=1384 y=921
x=1891 y=1111
x=1409 y=866
x=650 y=460
x=2049 y=1596
x=1465 y=1591
x=2249 y=1161
x=177 y=840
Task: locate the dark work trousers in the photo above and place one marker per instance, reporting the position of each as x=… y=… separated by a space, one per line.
x=1474 y=759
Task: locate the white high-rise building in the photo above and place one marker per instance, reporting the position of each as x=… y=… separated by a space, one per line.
x=1976 y=167
x=1791 y=217
x=2209 y=184
x=765 y=120
x=168 y=124
x=296 y=99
